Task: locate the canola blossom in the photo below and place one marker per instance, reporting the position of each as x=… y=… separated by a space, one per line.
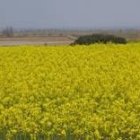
x=70 y=93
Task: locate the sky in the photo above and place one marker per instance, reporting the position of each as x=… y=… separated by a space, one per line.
x=63 y=14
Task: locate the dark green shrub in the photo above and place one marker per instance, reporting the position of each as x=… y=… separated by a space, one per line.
x=99 y=38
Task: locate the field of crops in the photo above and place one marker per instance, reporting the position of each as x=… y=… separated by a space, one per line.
x=70 y=93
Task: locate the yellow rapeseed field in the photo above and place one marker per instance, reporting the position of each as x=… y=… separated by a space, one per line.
x=70 y=93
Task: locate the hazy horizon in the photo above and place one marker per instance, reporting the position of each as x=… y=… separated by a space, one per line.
x=74 y=14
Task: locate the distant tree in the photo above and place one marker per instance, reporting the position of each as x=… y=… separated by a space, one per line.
x=8 y=32
x=99 y=38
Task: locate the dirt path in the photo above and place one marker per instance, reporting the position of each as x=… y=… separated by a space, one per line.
x=54 y=40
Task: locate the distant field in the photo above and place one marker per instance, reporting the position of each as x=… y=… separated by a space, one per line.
x=32 y=40
x=62 y=37
x=70 y=93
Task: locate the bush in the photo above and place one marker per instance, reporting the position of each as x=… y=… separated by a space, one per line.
x=99 y=38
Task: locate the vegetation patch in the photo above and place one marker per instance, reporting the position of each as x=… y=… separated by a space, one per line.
x=99 y=38
x=70 y=93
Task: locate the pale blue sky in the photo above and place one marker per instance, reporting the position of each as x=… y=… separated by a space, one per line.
x=70 y=13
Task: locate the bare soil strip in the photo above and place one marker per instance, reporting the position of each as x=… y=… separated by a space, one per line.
x=54 y=40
